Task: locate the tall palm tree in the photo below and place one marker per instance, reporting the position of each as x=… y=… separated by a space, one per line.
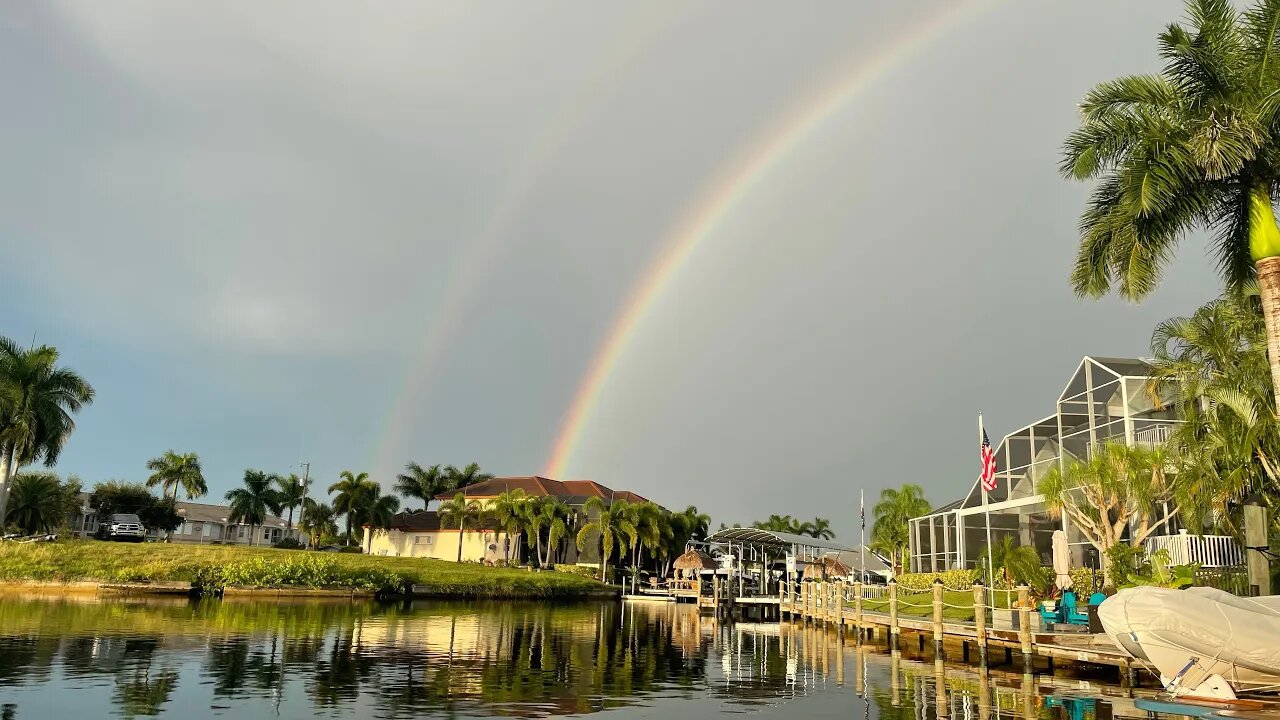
x=318 y=520
x=467 y=476
x=292 y=493
x=1213 y=367
x=653 y=530
x=251 y=503
x=819 y=528
x=462 y=512
x=508 y=509
x=612 y=527
x=1194 y=147
x=177 y=471
x=547 y=512
x=37 y=402
x=376 y=509
x=422 y=483
x=686 y=526
x=892 y=515
x=351 y=489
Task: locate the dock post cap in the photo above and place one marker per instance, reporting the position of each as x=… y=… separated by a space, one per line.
x=937 y=580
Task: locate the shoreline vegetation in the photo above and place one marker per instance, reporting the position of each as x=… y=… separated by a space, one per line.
x=211 y=569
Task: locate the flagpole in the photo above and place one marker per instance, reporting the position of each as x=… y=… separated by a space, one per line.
x=862 y=546
x=986 y=513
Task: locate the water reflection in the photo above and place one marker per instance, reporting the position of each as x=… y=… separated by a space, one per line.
x=88 y=658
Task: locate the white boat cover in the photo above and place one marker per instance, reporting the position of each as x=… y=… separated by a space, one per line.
x=1191 y=635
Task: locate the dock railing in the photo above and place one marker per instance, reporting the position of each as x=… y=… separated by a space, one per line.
x=1207 y=551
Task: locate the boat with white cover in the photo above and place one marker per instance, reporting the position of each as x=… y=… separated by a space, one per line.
x=1203 y=642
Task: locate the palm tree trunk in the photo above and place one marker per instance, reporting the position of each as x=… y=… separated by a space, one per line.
x=461 y=523
x=6 y=458
x=289 y=526
x=1269 y=290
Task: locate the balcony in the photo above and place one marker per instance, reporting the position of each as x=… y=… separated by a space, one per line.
x=1207 y=551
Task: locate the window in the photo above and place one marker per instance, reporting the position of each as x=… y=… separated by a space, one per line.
x=185 y=529
x=240 y=531
x=422 y=540
x=207 y=530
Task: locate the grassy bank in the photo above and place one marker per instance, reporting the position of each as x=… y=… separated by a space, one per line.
x=211 y=566
x=957 y=604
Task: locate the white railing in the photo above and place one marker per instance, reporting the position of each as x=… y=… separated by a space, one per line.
x=1210 y=551
x=1152 y=436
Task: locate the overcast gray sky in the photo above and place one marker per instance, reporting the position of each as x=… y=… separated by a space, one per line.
x=360 y=234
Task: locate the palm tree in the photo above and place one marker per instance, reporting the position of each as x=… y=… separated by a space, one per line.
x=612 y=524
x=508 y=510
x=686 y=526
x=1015 y=564
x=351 y=489
x=546 y=512
x=376 y=509
x=422 y=483
x=173 y=471
x=250 y=504
x=818 y=528
x=653 y=530
x=463 y=512
x=318 y=520
x=892 y=515
x=292 y=493
x=37 y=401
x=467 y=476
x=39 y=501
x=1195 y=147
x=1213 y=367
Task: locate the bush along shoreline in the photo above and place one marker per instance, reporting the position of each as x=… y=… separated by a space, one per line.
x=211 y=570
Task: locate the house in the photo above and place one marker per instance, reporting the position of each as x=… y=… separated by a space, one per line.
x=1105 y=400
x=202 y=524
x=421 y=533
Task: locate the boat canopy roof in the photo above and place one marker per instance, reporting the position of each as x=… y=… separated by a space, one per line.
x=772 y=539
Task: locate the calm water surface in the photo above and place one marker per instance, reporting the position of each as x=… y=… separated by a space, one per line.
x=87 y=658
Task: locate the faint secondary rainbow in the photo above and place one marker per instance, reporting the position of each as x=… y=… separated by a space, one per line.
x=447 y=314
x=721 y=199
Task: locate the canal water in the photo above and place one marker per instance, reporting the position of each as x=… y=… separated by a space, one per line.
x=81 y=658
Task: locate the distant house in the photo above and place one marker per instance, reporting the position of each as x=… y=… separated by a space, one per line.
x=421 y=533
x=203 y=524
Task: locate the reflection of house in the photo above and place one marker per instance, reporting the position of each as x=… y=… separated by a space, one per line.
x=421 y=534
x=1106 y=400
x=202 y=524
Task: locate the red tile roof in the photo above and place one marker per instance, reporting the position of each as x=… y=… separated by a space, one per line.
x=532 y=485
x=536 y=486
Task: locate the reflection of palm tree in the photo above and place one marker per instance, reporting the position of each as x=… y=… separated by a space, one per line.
x=141 y=694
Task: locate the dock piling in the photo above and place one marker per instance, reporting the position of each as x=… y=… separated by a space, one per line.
x=857 y=608
x=893 y=614
x=840 y=605
x=1024 y=619
x=937 y=617
x=980 y=620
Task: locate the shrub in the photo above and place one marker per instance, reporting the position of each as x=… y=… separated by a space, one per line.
x=310 y=570
x=582 y=570
x=287 y=543
x=352 y=550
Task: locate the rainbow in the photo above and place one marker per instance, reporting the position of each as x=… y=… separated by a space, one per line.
x=723 y=197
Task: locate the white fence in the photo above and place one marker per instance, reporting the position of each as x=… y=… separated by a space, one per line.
x=1210 y=551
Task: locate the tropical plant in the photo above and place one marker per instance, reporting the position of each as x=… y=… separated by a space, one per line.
x=552 y=514
x=37 y=402
x=686 y=526
x=1131 y=567
x=818 y=528
x=1013 y=563
x=893 y=512
x=779 y=523
x=466 y=477
x=251 y=503
x=463 y=512
x=351 y=490
x=422 y=483
x=1213 y=367
x=653 y=530
x=1120 y=487
x=1195 y=147
x=612 y=527
x=114 y=496
x=173 y=472
x=40 y=501
x=291 y=493
x=318 y=521
x=376 y=509
x=509 y=510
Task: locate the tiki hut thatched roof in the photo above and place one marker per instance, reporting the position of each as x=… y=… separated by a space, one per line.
x=695 y=560
x=830 y=567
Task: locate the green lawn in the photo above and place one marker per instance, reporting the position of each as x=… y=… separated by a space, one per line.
x=921 y=604
x=126 y=562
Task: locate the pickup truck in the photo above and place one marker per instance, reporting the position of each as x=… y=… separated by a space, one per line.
x=122 y=526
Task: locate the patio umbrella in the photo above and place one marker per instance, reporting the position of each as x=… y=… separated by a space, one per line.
x=1061 y=559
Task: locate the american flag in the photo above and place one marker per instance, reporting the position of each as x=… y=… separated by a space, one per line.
x=988 y=454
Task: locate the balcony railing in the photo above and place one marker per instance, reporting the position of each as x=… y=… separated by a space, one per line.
x=1208 y=551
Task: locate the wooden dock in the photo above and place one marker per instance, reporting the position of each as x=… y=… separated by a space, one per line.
x=840 y=605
